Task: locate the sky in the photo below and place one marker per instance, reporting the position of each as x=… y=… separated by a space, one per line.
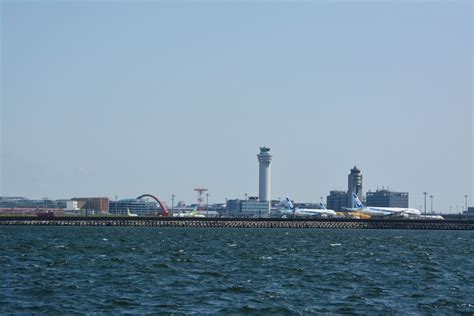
x=121 y=98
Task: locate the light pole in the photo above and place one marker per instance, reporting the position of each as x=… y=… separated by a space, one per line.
x=425 y=200
x=172 y=202
x=207 y=202
x=116 y=202
x=431 y=198
x=246 y=195
x=147 y=206
x=465 y=201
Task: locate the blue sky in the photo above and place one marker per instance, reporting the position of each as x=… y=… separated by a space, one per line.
x=124 y=98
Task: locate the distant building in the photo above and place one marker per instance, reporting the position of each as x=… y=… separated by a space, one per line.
x=21 y=205
x=336 y=200
x=233 y=208
x=136 y=206
x=72 y=205
x=218 y=208
x=246 y=208
x=354 y=185
x=21 y=202
x=386 y=198
x=470 y=211
x=93 y=203
x=254 y=208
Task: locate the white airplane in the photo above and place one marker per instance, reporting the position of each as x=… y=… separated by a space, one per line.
x=431 y=217
x=193 y=213
x=373 y=211
x=131 y=214
x=307 y=212
x=189 y=214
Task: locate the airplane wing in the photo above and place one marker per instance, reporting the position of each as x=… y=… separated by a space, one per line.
x=348 y=209
x=370 y=211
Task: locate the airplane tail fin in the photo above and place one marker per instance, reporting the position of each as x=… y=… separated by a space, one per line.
x=322 y=206
x=357 y=202
x=290 y=205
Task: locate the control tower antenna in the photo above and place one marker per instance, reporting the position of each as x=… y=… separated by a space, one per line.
x=200 y=192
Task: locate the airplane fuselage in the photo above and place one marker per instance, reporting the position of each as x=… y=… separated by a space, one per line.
x=304 y=212
x=390 y=211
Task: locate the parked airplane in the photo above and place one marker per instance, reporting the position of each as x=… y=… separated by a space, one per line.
x=431 y=217
x=306 y=212
x=383 y=211
x=346 y=214
x=193 y=213
x=131 y=214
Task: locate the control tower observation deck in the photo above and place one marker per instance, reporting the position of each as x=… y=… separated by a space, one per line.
x=264 y=159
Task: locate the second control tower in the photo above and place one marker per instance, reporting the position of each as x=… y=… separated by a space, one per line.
x=264 y=159
x=354 y=186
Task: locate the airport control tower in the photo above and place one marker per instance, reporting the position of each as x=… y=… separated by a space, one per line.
x=264 y=159
x=354 y=186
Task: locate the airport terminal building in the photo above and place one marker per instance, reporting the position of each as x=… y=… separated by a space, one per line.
x=386 y=198
x=135 y=206
x=246 y=208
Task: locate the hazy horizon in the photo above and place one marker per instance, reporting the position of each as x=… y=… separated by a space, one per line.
x=125 y=98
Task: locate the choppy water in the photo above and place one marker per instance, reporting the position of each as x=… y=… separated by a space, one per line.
x=63 y=270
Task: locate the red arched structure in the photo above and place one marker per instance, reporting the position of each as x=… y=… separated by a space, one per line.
x=163 y=206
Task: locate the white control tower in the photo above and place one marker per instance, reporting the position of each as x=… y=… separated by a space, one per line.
x=264 y=159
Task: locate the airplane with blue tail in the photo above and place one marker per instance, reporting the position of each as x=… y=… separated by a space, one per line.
x=307 y=212
x=387 y=212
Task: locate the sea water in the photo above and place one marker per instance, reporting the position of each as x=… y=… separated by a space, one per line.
x=63 y=270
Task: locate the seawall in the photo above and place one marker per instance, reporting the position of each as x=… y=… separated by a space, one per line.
x=241 y=223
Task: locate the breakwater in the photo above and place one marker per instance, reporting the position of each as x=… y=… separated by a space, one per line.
x=242 y=223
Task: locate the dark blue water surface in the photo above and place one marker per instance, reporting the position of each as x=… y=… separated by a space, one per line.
x=58 y=270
